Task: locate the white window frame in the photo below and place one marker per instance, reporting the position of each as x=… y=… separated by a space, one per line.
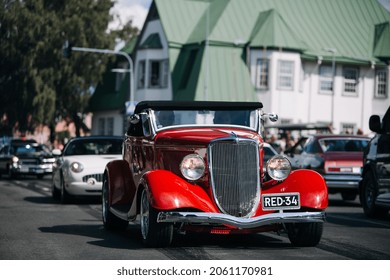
x=285 y=80
x=110 y=126
x=161 y=81
x=141 y=74
x=381 y=84
x=348 y=128
x=101 y=126
x=351 y=81
x=262 y=73
x=326 y=79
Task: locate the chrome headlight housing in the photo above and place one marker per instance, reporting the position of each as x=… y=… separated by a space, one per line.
x=192 y=167
x=278 y=167
x=76 y=167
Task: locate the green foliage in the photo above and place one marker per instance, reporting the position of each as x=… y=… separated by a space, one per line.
x=35 y=78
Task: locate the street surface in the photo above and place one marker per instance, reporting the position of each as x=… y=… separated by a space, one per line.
x=36 y=227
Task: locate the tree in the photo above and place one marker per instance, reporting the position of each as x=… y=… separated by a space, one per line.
x=35 y=79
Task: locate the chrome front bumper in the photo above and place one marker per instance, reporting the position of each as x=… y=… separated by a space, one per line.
x=224 y=219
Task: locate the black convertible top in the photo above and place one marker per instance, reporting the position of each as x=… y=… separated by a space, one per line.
x=196 y=105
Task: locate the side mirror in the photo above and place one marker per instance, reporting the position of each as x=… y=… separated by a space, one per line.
x=375 y=123
x=134 y=119
x=273 y=117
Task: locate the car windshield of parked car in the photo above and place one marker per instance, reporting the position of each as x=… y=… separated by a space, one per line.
x=343 y=145
x=30 y=149
x=168 y=118
x=93 y=147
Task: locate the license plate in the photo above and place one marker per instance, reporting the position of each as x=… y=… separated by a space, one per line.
x=285 y=201
x=24 y=169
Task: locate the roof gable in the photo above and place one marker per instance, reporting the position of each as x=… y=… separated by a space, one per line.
x=272 y=31
x=382 y=40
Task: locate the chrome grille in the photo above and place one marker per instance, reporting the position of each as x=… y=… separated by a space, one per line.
x=235 y=178
x=98 y=177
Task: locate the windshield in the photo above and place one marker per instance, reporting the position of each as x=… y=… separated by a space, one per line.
x=30 y=149
x=94 y=147
x=343 y=145
x=169 y=118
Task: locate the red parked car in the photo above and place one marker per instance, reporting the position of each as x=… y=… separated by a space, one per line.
x=338 y=158
x=198 y=167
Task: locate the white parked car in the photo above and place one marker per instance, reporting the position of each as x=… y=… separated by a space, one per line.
x=78 y=169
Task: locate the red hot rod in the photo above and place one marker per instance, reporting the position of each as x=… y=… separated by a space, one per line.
x=198 y=166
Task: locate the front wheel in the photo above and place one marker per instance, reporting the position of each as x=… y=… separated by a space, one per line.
x=305 y=234
x=110 y=221
x=369 y=195
x=154 y=234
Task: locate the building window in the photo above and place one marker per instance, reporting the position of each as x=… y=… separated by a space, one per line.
x=285 y=75
x=158 y=74
x=105 y=126
x=110 y=126
x=141 y=74
x=347 y=128
x=380 y=83
x=326 y=79
x=120 y=75
x=101 y=126
x=262 y=70
x=351 y=75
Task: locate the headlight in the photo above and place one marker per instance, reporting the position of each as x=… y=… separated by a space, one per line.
x=192 y=167
x=76 y=167
x=278 y=168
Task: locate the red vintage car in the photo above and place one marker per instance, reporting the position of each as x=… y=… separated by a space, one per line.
x=198 y=167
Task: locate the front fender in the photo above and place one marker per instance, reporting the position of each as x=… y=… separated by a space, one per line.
x=168 y=191
x=122 y=189
x=310 y=184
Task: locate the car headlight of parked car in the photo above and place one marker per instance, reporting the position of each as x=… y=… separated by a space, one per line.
x=76 y=167
x=192 y=167
x=278 y=167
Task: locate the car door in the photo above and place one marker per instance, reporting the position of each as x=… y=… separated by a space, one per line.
x=383 y=160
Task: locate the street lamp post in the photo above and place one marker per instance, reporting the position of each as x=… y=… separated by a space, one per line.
x=333 y=51
x=68 y=49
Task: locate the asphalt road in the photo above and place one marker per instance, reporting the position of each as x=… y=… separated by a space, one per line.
x=33 y=226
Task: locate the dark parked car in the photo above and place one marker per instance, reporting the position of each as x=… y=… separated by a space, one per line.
x=198 y=167
x=338 y=158
x=25 y=157
x=375 y=185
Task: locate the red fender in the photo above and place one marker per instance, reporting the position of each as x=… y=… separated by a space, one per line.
x=168 y=191
x=310 y=184
x=122 y=190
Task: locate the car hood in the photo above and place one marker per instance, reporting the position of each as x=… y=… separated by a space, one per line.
x=200 y=136
x=93 y=161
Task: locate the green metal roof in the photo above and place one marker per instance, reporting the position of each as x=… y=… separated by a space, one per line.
x=307 y=26
x=345 y=25
x=152 y=42
x=272 y=31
